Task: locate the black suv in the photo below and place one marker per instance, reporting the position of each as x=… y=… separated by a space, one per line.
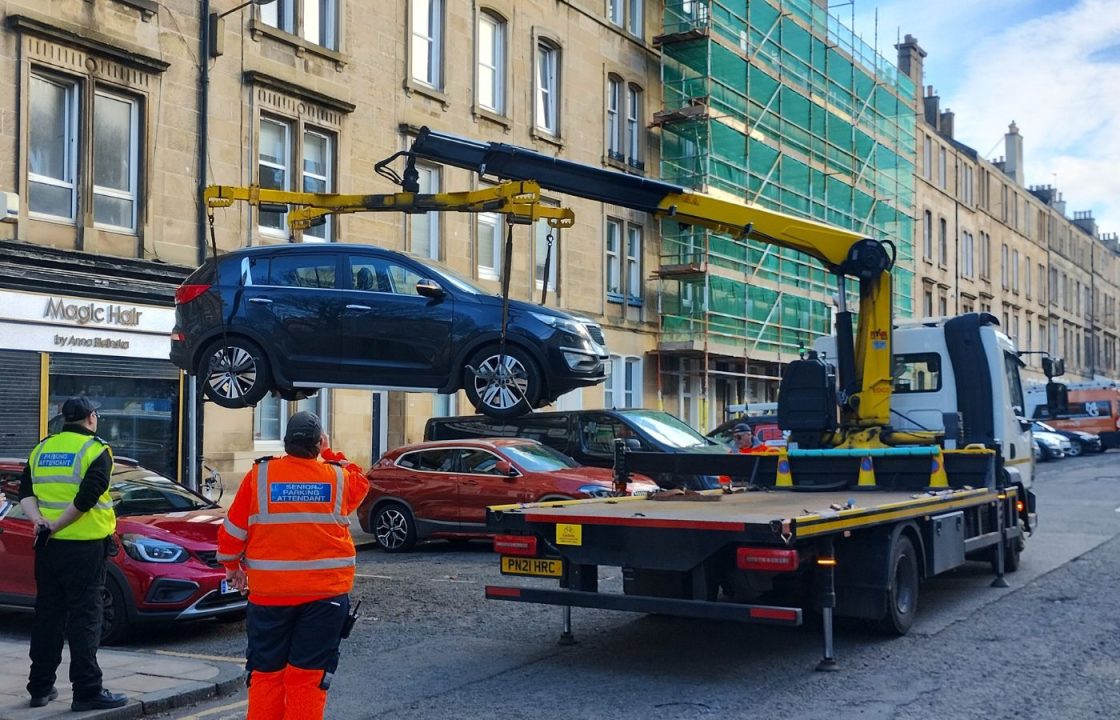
x=295 y=318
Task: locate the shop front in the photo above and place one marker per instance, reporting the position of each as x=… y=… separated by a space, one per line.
x=53 y=346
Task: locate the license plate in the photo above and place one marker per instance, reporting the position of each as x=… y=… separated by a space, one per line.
x=538 y=567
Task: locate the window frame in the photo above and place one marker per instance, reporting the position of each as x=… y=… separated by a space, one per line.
x=331 y=140
x=498 y=52
x=134 y=142
x=541 y=230
x=613 y=259
x=913 y=359
x=290 y=17
x=432 y=39
x=546 y=100
x=72 y=88
x=633 y=265
x=286 y=166
x=494 y=271
x=633 y=131
x=435 y=224
x=614 y=119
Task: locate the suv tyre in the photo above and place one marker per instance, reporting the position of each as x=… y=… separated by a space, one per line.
x=234 y=372
x=502 y=387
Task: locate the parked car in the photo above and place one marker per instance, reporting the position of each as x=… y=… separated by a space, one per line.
x=166 y=568
x=588 y=436
x=442 y=489
x=1052 y=445
x=296 y=318
x=1080 y=442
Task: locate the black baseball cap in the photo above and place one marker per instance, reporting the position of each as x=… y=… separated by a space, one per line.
x=741 y=428
x=304 y=426
x=78 y=408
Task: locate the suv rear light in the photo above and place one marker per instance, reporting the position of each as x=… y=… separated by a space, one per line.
x=516 y=545
x=766 y=559
x=185 y=293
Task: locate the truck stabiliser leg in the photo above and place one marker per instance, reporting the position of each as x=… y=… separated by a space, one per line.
x=566 y=636
x=1000 y=581
x=826 y=563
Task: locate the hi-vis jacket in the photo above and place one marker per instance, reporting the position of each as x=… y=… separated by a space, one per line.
x=57 y=466
x=288 y=529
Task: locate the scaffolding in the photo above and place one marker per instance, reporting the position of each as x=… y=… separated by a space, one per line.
x=777 y=103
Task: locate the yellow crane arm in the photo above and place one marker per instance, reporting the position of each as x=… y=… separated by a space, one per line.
x=519 y=200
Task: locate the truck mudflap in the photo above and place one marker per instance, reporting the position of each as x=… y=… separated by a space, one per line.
x=766 y=614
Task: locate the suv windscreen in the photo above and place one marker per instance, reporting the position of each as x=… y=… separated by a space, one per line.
x=538 y=458
x=667 y=430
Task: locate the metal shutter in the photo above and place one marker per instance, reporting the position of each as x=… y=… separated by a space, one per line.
x=95 y=365
x=19 y=396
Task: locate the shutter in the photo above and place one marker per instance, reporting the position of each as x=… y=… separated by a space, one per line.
x=95 y=365
x=19 y=396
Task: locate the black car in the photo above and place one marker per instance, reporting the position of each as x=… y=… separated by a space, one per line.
x=1080 y=442
x=296 y=318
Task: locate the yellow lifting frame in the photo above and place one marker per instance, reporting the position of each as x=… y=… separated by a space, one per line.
x=519 y=200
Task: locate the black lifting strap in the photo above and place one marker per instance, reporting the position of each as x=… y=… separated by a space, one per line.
x=547 y=267
x=507 y=270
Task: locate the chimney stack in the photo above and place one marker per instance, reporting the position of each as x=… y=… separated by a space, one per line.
x=910 y=56
x=1084 y=220
x=932 y=108
x=1013 y=146
x=947 y=123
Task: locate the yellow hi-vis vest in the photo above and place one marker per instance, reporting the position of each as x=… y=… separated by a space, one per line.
x=58 y=465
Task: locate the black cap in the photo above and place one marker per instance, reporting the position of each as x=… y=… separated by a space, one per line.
x=78 y=408
x=303 y=427
x=741 y=428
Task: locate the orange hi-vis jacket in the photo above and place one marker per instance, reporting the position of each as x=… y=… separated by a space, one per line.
x=288 y=529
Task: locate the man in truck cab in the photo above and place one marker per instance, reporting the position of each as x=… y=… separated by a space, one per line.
x=743 y=439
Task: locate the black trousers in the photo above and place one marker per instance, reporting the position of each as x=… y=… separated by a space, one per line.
x=69 y=575
x=306 y=635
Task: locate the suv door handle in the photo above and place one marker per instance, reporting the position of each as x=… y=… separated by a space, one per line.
x=262 y=301
x=357 y=307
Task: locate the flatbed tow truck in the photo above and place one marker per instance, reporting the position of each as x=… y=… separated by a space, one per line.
x=908 y=451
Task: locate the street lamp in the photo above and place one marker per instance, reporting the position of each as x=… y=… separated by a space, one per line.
x=216 y=27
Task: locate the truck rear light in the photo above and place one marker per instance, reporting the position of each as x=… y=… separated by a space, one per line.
x=766 y=559
x=185 y=293
x=1020 y=506
x=773 y=613
x=178 y=336
x=516 y=545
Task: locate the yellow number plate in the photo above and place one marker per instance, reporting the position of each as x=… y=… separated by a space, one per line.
x=539 y=567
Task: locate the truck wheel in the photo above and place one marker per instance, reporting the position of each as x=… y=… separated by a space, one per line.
x=503 y=386
x=902 y=591
x=1010 y=556
x=394 y=528
x=234 y=372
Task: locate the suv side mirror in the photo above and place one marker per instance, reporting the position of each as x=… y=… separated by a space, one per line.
x=1057 y=399
x=505 y=468
x=428 y=288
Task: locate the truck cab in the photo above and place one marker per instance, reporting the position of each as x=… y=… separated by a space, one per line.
x=963 y=372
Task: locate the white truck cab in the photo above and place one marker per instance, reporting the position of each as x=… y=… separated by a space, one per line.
x=965 y=368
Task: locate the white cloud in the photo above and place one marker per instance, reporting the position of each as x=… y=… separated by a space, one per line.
x=1052 y=67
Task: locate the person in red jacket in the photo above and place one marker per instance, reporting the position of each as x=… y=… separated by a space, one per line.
x=744 y=441
x=286 y=541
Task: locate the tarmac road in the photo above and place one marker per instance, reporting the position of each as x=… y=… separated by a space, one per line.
x=429 y=646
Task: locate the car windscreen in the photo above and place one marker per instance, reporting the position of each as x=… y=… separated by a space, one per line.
x=667 y=430
x=138 y=492
x=538 y=458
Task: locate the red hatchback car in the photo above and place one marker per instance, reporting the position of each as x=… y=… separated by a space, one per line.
x=165 y=570
x=442 y=489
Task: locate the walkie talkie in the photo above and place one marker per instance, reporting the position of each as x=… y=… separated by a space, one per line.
x=351 y=618
x=42 y=534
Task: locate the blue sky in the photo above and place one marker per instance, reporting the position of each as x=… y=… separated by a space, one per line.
x=1051 y=66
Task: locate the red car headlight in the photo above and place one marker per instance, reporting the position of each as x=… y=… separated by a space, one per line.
x=146 y=549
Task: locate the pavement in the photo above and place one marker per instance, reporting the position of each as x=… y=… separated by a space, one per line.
x=154 y=682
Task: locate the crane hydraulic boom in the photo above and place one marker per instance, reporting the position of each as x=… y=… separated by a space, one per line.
x=864 y=367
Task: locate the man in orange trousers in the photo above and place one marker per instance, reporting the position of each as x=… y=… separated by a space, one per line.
x=286 y=541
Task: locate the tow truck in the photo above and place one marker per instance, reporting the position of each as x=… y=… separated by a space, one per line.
x=909 y=451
